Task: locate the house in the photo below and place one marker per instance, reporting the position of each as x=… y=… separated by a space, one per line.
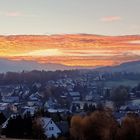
x=34 y=103
x=30 y=110
x=74 y=96
x=33 y=98
x=50 y=128
x=132 y=95
x=25 y=94
x=89 y=97
x=50 y=103
x=130 y=107
x=3 y=106
x=10 y=99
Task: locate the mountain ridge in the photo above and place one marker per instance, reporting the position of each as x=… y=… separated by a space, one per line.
x=132 y=66
x=20 y=65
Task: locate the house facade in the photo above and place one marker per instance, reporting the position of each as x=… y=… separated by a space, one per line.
x=50 y=128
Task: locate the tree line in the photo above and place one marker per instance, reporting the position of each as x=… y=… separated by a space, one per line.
x=101 y=125
x=97 y=125
x=35 y=76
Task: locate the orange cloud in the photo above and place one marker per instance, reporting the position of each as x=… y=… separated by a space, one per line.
x=74 y=49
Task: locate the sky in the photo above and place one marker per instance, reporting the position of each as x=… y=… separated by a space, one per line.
x=105 y=17
x=74 y=32
x=72 y=49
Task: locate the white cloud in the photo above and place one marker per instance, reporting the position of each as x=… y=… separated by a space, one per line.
x=110 y=18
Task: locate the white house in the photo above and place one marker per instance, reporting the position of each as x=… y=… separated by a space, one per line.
x=50 y=128
x=30 y=110
x=75 y=96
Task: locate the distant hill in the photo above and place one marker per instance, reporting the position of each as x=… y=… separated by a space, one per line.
x=133 y=66
x=18 y=66
x=89 y=49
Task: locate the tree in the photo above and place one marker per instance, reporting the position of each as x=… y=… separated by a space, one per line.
x=73 y=108
x=130 y=128
x=138 y=87
x=92 y=108
x=14 y=127
x=38 y=131
x=85 y=107
x=119 y=96
x=19 y=127
x=2 y=118
x=100 y=125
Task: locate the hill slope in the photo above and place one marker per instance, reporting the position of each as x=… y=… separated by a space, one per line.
x=18 y=66
x=133 y=66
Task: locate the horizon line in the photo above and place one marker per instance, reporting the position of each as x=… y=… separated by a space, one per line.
x=55 y=34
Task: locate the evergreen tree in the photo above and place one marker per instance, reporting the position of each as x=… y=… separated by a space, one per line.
x=2 y=118
x=86 y=107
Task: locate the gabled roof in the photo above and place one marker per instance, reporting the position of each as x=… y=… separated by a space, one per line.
x=45 y=121
x=63 y=126
x=4 y=125
x=130 y=107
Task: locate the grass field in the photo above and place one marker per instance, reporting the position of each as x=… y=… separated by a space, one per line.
x=130 y=83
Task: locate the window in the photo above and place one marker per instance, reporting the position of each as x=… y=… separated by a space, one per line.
x=51 y=128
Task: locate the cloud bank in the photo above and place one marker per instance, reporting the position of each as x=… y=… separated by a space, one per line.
x=72 y=49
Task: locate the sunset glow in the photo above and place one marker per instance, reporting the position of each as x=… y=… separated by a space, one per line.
x=70 y=32
x=72 y=49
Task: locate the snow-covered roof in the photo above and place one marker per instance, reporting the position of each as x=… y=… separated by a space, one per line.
x=4 y=125
x=74 y=93
x=45 y=121
x=55 y=110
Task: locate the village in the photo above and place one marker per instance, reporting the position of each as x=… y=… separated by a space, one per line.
x=66 y=97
